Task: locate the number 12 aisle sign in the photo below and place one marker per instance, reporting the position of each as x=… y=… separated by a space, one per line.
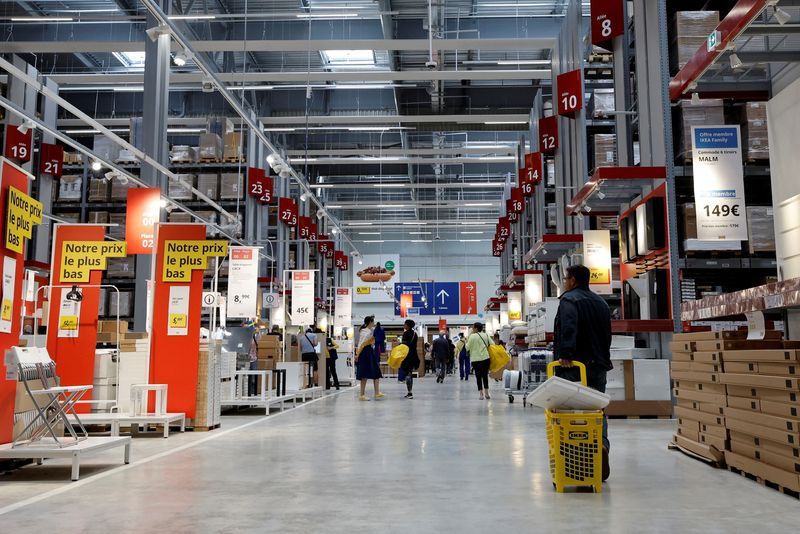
x=719 y=183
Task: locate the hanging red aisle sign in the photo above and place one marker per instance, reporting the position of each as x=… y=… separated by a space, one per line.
x=322 y=246
x=143 y=211
x=312 y=232
x=442 y=325
x=535 y=166
x=512 y=215
x=526 y=186
x=468 y=297
x=608 y=20
x=51 y=159
x=503 y=228
x=18 y=144
x=287 y=211
x=517 y=200
x=548 y=135
x=304 y=227
x=259 y=185
x=569 y=88
x=340 y=260
x=329 y=253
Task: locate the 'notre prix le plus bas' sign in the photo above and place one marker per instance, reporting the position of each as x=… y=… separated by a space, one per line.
x=183 y=257
x=79 y=258
x=23 y=213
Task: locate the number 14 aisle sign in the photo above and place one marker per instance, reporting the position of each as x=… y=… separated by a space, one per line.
x=719 y=183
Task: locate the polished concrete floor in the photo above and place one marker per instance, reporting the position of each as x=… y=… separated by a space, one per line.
x=443 y=462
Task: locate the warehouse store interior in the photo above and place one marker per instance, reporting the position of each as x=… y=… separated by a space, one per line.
x=249 y=267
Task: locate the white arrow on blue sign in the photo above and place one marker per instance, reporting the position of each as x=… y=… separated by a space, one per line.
x=446 y=298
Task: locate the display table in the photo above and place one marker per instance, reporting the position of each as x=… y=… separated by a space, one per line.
x=47 y=448
x=117 y=420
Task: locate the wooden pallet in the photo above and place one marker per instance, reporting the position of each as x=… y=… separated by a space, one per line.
x=182 y=161
x=234 y=159
x=203 y=428
x=208 y=160
x=640 y=417
x=699 y=451
x=763 y=482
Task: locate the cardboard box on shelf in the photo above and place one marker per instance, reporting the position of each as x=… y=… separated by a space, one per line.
x=605 y=150
x=682 y=346
x=98 y=190
x=700 y=417
x=702 y=378
x=119 y=190
x=773 y=421
x=765 y=444
x=748 y=426
x=744 y=403
x=265 y=364
x=762 y=393
x=269 y=341
x=97 y=217
x=760 y=229
x=695 y=367
x=781 y=461
x=121 y=267
x=178 y=191
x=234 y=149
x=780 y=409
x=219 y=125
x=707 y=111
x=705 y=407
x=755 y=132
x=700 y=396
x=711 y=335
x=714 y=430
x=180 y=217
x=776 y=355
x=210 y=147
x=183 y=154
x=111 y=326
x=717 y=442
x=761 y=381
x=737 y=344
x=69 y=188
x=208 y=184
x=231 y=185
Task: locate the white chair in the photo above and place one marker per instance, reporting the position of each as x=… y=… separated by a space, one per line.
x=53 y=402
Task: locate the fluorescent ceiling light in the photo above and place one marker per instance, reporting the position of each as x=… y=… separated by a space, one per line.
x=323 y=186
x=478 y=204
x=465 y=233
x=389 y=185
x=470 y=240
x=192 y=17
x=79 y=132
x=369 y=233
x=359 y=223
x=130 y=59
x=336 y=58
x=325 y=15
x=390 y=206
x=41 y=19
x=422 y=241
x=414 y=223
x=186 y=130
x=330 y=7
x=280 y=129
x=524 y=62
x=506 y=122
x=474 y=223
x=497 y=158
x=375 y=241
x=333 y=206
x=419 y=233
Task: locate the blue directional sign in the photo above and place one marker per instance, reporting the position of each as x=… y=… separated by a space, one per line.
x=445 y=298
x=417 y=290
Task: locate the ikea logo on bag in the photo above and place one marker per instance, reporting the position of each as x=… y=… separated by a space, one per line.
x=578 y=435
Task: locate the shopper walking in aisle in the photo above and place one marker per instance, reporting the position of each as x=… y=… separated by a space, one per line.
x=411 y=362
x=478 y=347
x=330 y=363
x=441 y=354
x=451 y=356
x=380 y=340
x=463 y=358
x=428 y=358
x=252 y=381
x=307 y=343
x=583 y=334
x=367 y=360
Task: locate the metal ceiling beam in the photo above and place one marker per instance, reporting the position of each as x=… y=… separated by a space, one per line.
x=306 y=77
x=374 y=186
x=283 y=45
x=509 y=151
x=500 y=160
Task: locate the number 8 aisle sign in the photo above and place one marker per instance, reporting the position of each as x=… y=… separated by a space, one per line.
x=302 y=298
x=719 y=183
x=608 y=18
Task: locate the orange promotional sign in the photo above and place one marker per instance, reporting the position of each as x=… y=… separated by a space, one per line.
x=144 y=209
x=406 y=301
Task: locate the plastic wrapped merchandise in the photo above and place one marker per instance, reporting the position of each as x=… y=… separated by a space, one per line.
x=210 y=147
x=69 y=188
x=118 y=231
x=755 y=131
x=605 y=150
x=760 y=229
x=125 y=304
x=98 y=217
x=177 y=191
x=689 y=217
x=691 y=30
x=212 y=217
x=551 y=216
x=208 y=184
x=182 y=154
x=234 y=150
x=551 y=172
x=98 y=190
x=231 y=186
x=119 y=189
x=121 y=267
x=603 y=102
x=180 y=217
x=219 y=126
x=704 y=113
x=106 y=148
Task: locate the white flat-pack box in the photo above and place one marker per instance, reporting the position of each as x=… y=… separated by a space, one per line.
x=651 y=380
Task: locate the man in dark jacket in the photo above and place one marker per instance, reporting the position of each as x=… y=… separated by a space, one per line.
x=441 y=355
x=583 y=334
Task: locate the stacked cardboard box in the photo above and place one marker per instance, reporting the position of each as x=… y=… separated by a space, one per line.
x=208 y=184
x=209 y=394
x=270 y=351
x=690 y=31
x=605 y=150
x=695 y=371
x=183 y=154
x=119 y=189
x=755 y=131
x=234 y=150
x=704 y=113
x=69 y=188
x=98 y=190
x=97 y=217
x=763 y=411
x=760 y=229
x=178 y=191
x=231 y=186
x=219 y=125
x=210 y=147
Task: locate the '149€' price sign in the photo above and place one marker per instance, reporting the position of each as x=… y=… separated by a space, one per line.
x=721 y=210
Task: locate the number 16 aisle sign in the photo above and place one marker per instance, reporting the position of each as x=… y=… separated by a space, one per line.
x=719 y=183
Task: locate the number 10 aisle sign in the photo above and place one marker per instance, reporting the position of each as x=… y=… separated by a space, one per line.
x=718 y=183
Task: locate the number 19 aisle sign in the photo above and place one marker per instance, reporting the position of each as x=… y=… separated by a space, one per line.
x=719 y=183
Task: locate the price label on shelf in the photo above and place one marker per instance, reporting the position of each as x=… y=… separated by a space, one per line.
x=569 y=87
x=608 y=20
x=548 y=135
x=51 y=159
x=18 y=145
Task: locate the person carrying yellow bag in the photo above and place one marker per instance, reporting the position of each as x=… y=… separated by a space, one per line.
x=411 y=362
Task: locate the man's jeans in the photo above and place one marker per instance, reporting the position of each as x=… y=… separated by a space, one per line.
x=595 y=379
x=441 y=367
x=463 y=366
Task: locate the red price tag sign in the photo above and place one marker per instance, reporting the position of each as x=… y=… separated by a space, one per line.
x=259 y=185
x=18 y=144
x=51 y=159
x=517 y=201
x=304 y=227
x=608 y=20
x=569 y=88
x=534 y=164
x=548 y=135
x=323 y=244
x=287 y=211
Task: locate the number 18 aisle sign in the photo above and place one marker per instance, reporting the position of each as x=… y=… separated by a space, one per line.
x=719 y=183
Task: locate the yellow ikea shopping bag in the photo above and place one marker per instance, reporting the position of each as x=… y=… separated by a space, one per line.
x=397 y=356
x=498 y=358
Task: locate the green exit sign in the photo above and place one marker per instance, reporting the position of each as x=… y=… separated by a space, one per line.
x=714 y=38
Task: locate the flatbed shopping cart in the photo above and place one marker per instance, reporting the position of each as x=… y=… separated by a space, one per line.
x=532 y=373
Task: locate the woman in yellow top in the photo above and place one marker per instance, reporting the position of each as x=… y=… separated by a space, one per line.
x=478 y=344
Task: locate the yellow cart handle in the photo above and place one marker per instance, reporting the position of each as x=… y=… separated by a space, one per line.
x=551 y=367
